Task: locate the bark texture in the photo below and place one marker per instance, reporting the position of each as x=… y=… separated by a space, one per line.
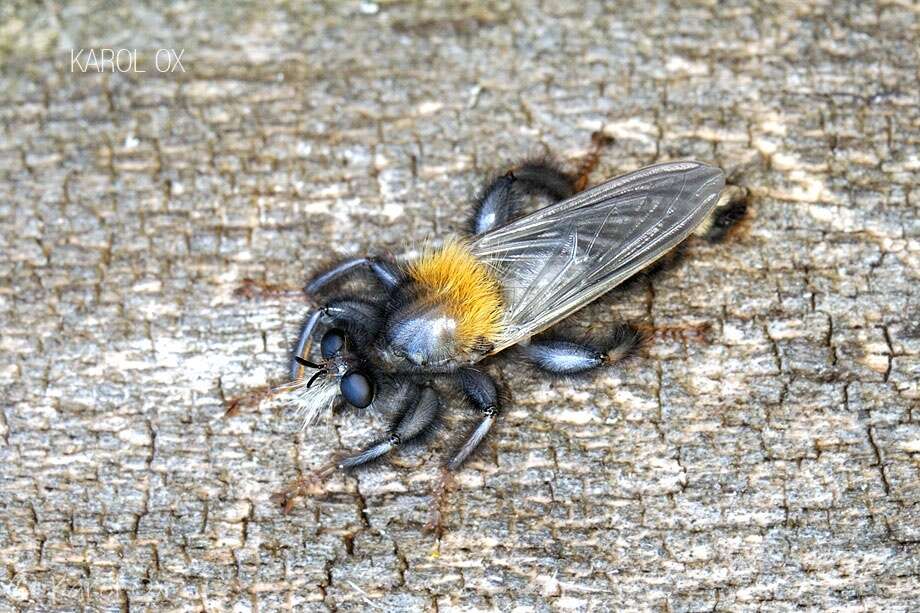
x=762 y=454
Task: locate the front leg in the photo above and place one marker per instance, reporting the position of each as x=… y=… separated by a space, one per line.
x=360 y=319
x=417 y=419
x=386 y=272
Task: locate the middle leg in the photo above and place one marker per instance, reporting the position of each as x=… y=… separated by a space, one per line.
x=482 y=392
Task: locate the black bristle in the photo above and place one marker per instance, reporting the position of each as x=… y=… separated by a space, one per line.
x=544 y=176
x=624 y=343
x=725 y=218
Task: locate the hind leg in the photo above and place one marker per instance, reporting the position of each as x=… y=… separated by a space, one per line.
x=502 y=197
x=565 y=357
x=718 y=227
x=482 y=391
x=725 y=217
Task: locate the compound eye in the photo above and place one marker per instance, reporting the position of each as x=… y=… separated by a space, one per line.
x=357 y=388
x=332 y=343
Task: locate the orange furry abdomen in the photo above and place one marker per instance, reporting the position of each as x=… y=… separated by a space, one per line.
x=465 y=288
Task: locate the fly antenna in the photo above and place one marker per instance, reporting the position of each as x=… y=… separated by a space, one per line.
x=306 y=363
x=316 y=375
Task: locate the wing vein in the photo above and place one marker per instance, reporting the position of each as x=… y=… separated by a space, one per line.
x=548 y=273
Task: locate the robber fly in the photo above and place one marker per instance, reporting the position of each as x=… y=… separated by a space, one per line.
x=447 y=308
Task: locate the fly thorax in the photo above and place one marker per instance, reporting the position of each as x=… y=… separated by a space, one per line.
x=424 y=335
x=455 y=310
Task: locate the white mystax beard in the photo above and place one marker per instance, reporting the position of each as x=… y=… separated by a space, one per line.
x=310 y=402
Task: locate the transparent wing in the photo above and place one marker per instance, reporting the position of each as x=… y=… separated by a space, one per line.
x=558 y=259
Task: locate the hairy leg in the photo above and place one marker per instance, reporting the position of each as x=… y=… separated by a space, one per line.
x=731 y=208
x=360 y=319
x=385 y=271
x=482 y=392
x=417 y=419
x=502 y=197
x=565 y=357
x=728 y=214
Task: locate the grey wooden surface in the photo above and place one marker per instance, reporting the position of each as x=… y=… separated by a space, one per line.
x=762 y=454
